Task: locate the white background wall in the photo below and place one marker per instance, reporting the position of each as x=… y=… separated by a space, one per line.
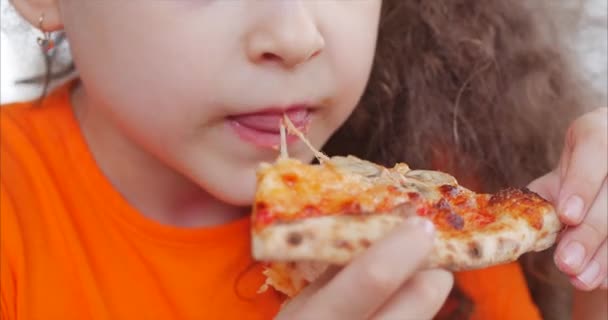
x=20 y=57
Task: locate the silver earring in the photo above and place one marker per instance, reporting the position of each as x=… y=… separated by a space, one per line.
x=45 y=42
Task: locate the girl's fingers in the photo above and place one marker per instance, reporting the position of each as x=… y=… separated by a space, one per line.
x=546 y=186
x=579 y=244
x=584 y=165
x=594 y=273
x=420 y=298
x=370 y=280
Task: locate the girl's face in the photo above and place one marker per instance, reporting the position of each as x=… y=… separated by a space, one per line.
x=201 y=84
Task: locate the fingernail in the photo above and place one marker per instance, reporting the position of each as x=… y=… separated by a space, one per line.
x=573 y=254
x=573 y=208
x=426 y=224
x=590 y=273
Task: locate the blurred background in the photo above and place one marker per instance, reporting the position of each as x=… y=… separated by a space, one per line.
x=20 y=57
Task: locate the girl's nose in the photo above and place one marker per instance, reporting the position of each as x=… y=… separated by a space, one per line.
x=287 y=35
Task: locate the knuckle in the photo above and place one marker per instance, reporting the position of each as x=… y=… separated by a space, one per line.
x=571 y=134
x=591 y=126
x=601 y=274
x=595 y=139
x=602 y=257
x=427 y=292
x=376 y=279
x=591 y=235
x=603 y=267
x=433 y=290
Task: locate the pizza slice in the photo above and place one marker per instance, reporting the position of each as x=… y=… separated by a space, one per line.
x=307 y=217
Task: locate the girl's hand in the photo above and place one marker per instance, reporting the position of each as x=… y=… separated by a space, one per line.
x=579 y=190
x=382 y=283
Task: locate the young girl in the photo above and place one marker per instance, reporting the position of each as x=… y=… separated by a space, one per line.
x=125 y=193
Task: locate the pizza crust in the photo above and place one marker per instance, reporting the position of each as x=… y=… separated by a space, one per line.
x=338 y=239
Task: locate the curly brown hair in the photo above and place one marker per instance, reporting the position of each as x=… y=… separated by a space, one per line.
x=484 y=90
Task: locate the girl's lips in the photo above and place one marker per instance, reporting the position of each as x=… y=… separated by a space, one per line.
x=269 y=121
x=263 y=128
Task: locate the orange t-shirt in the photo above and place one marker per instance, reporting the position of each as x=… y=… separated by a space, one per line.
x=72 y=248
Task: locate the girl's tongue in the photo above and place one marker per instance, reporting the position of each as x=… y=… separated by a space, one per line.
x=269 y=121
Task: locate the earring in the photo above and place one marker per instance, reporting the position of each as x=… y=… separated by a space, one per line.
x=45 y=42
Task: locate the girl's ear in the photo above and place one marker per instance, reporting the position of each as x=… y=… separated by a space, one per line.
x=33 y=10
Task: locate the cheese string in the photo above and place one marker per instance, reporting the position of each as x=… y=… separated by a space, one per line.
x=293 y=130
x=283 y=146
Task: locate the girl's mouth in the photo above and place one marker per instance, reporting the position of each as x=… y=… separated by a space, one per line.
x=262 y=128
